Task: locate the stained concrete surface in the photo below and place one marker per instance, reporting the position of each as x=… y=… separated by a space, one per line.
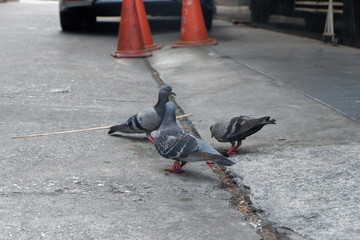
x=90 y=185
x=301 y=172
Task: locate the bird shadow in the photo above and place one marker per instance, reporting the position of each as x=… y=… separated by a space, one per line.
x=194 y=176
x=240 y=151
x=131 y=138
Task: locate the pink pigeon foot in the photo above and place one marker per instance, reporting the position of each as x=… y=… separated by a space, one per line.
x=233 y=149
x=210 y=163
x=176 y=167
x=151 y=139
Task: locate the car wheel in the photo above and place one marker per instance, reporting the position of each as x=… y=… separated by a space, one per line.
x=351 y=18
x=70 y=21
x=208 y=17
x=90 y=18
x=260 y=12
x=315 y=22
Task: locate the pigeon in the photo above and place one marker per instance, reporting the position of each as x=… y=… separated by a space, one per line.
x=147 y=120
x=238 y=129
x=172 y=141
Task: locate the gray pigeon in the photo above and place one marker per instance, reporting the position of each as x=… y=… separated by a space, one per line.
x=237 y=129
x=174 y=142
x=148 y=119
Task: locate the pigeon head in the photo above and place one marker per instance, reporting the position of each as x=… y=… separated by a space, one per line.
x=165 y=92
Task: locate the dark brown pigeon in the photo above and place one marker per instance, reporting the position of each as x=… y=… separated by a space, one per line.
x=237 y=129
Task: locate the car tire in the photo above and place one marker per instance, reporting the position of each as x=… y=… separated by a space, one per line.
x=90 y=18
x=260 y=11
x=208 y=17
x=315 y=22
x=70 y=21
x=351 y=19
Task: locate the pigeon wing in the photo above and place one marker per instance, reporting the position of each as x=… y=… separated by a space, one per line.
x=175 y=143
x=243 y=126
x=147 y=120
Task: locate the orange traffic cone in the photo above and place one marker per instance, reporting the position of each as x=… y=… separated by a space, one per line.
x=130 y=41
x=145 y=27
x=193 y=30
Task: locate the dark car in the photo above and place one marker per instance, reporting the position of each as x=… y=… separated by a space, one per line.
x=73 y=13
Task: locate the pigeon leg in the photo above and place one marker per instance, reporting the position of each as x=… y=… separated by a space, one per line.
x=233 y=149
x=150 y=138
x=176 y=167
x=210 y=163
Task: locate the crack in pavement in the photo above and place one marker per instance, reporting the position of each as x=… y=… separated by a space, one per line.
x=240 y=197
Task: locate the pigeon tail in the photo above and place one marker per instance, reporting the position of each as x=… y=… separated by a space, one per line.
x=119 y=128
x=124 y=128
x=270 y=121
x=224 y=162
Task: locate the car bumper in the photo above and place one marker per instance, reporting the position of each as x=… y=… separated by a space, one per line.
x=113 y=7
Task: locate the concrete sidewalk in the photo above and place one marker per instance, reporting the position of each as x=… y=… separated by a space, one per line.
x=300 y=174
x=90 y=185
x=303 y=172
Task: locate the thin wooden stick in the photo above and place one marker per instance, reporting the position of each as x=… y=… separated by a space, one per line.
x=185 y=115
x=62 y=132
x=78 y=130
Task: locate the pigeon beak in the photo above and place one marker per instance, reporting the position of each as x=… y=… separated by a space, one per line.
x=172 y=93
